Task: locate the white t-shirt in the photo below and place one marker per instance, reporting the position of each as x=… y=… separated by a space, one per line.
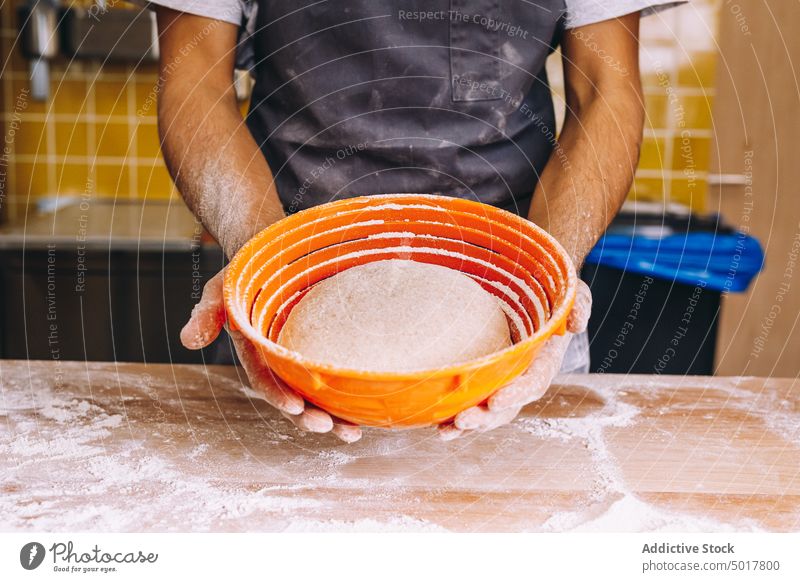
x=579 y=12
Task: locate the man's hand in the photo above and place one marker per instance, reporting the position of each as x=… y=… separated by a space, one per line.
x=203 y=327
x=224 y=179
x=504 y=405
x=208 y=318
x=581 y=188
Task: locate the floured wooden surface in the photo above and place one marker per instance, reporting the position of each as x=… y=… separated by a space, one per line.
x=187 y=448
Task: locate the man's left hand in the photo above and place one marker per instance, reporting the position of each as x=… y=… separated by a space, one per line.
x=504 y=405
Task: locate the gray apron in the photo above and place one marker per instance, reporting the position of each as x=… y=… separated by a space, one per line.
x=380 y=96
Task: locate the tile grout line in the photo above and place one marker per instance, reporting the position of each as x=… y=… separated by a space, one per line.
x=41 y=117
x=87 y=159
x=133 y=137
x=50 y=128
x=11 y=171
x=91 y=137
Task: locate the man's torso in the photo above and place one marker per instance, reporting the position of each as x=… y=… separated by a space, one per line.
x=378 y=96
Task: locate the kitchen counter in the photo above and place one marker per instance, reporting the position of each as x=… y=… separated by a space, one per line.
x=109 y=280
x=104 y=224
x=133 y=447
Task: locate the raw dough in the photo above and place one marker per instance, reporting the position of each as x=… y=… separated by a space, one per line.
x=396 y=316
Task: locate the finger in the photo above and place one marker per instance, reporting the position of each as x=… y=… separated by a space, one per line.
x=533 y=382
x=346 y=431
x=311 y=420
x=578 y=318
x=448 y=432
x=480 y=418
x=207 y=317
x=471 y=418
x=275 y=391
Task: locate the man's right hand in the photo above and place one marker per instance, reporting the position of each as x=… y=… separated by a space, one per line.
x=224 y=178
x=207 y=320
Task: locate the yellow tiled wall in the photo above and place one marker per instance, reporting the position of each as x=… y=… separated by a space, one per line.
x=678 y=61
x=97 y=132
x=678 y=68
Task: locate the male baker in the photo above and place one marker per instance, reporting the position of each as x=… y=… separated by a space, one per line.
x=366 y=97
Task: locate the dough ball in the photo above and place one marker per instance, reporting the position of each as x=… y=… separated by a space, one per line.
x=396 y=316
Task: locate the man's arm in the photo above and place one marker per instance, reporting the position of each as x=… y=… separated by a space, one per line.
x=581 y=188
x=215 y=162
x=225 y=180
x=592 y=168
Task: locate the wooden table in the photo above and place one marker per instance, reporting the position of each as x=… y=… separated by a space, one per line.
x=134 y=447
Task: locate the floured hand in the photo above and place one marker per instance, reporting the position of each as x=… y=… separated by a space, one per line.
x=504 y=405
x=205 y=323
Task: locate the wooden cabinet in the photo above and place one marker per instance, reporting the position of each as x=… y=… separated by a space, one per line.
x=756 y=159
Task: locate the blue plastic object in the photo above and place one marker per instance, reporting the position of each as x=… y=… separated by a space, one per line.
x=723 y=262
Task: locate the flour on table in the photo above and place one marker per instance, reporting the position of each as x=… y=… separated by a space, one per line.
x=89 y=457
x=78 y=437
x=614 y=507
x=402 y=523
x=631 y=514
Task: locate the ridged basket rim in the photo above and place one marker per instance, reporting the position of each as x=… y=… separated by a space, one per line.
x=556 y=320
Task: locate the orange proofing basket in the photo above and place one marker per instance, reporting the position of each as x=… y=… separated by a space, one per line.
x=510 y=257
